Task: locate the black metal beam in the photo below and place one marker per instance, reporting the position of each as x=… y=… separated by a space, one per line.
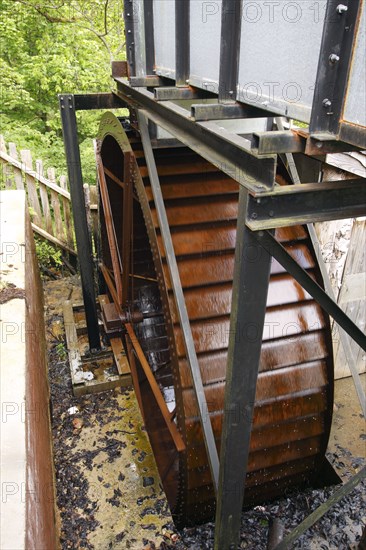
x=249 y=297
x=149 y=36
x=171 y=93
x=148 y=81
x=320 y=144
x=227 y=151
x=332 y=308
x=278 y=141
x=221 y=111
x=182 y=51
x=351 y=133
x=333 y=68
x=128 y=16
x=108 y=100
x=83 y=242
x=307 y=203
x=231 y=15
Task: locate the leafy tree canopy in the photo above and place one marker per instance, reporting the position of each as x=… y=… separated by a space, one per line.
x=50 y=47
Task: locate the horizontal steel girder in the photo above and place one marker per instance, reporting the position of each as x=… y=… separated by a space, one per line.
x=309 y=202
x=228 y=152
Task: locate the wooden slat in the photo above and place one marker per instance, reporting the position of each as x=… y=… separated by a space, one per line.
x=94 y=213
x=117 y=345
x=44 y=199
x=32 y=174
x=120 y=357
x=7 y=171
x=55 y=202
x=53 y=239
x=18 y=177
x=72 y=344
x=67 y=213
x=30 y=182
x=352 y=297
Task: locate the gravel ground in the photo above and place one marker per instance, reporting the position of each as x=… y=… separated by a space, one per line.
x=79 y=500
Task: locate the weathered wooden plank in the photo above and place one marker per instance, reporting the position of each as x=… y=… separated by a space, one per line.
x=32 y=174
x=77 y=375
x=55 y=202
x=53 y=239
x=120 y=357
x=30 y=183
x=352 y=297
x=44 y=199
x=94 y=213
x=66 y=203
x=7 y=179
x=18 y=176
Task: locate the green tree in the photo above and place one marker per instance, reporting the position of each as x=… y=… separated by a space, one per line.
x=47 y=49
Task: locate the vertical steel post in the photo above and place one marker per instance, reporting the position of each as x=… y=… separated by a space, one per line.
x=83 y=243
x=149 y=36
x=128 y=17
x=333 y=67
x=182 y=50
x=249 y=298
x=229 y=49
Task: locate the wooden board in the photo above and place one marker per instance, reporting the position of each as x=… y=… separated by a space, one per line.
x=103 y=371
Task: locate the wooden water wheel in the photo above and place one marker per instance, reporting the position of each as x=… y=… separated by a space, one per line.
x=293 y=409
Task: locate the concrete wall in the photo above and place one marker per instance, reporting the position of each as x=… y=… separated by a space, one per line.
x=27 y=476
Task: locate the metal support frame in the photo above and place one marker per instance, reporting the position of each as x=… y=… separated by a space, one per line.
x=170 y=93
x=69 y=104
x=250 y=287
x=231 y=16
x=285 y=259
x=309 y=202
x=225 y=111
x=335 y=55
x=229 y=152
x=128 y=17
x=179 y=300
x=291 y=205
x=181 y=42
x=83 y=242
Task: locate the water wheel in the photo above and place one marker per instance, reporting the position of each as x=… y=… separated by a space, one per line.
x=294 y=399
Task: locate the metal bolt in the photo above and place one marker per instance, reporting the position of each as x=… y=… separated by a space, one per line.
x=271 y=213
x=129 y=31
x=333 y=58
x=341 y=8
x=187 y=81
x=254 y=215
x=327 y=103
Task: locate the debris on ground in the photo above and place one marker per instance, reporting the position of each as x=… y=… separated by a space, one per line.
x=108 y=489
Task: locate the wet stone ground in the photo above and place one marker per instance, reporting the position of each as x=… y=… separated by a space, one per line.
x=108 y=489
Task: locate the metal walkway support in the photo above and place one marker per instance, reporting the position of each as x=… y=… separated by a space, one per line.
x=250 y=286
x=69 y=104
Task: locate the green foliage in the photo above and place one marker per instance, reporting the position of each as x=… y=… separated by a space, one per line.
x=46 y=50
x=48 y=256
x=61 y=351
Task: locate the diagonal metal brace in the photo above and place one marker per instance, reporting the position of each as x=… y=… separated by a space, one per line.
x=180 y=301
x=283 y=257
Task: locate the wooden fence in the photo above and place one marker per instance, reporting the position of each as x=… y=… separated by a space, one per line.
x=48 y=199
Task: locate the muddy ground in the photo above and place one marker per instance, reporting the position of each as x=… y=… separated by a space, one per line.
x=108 y=489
